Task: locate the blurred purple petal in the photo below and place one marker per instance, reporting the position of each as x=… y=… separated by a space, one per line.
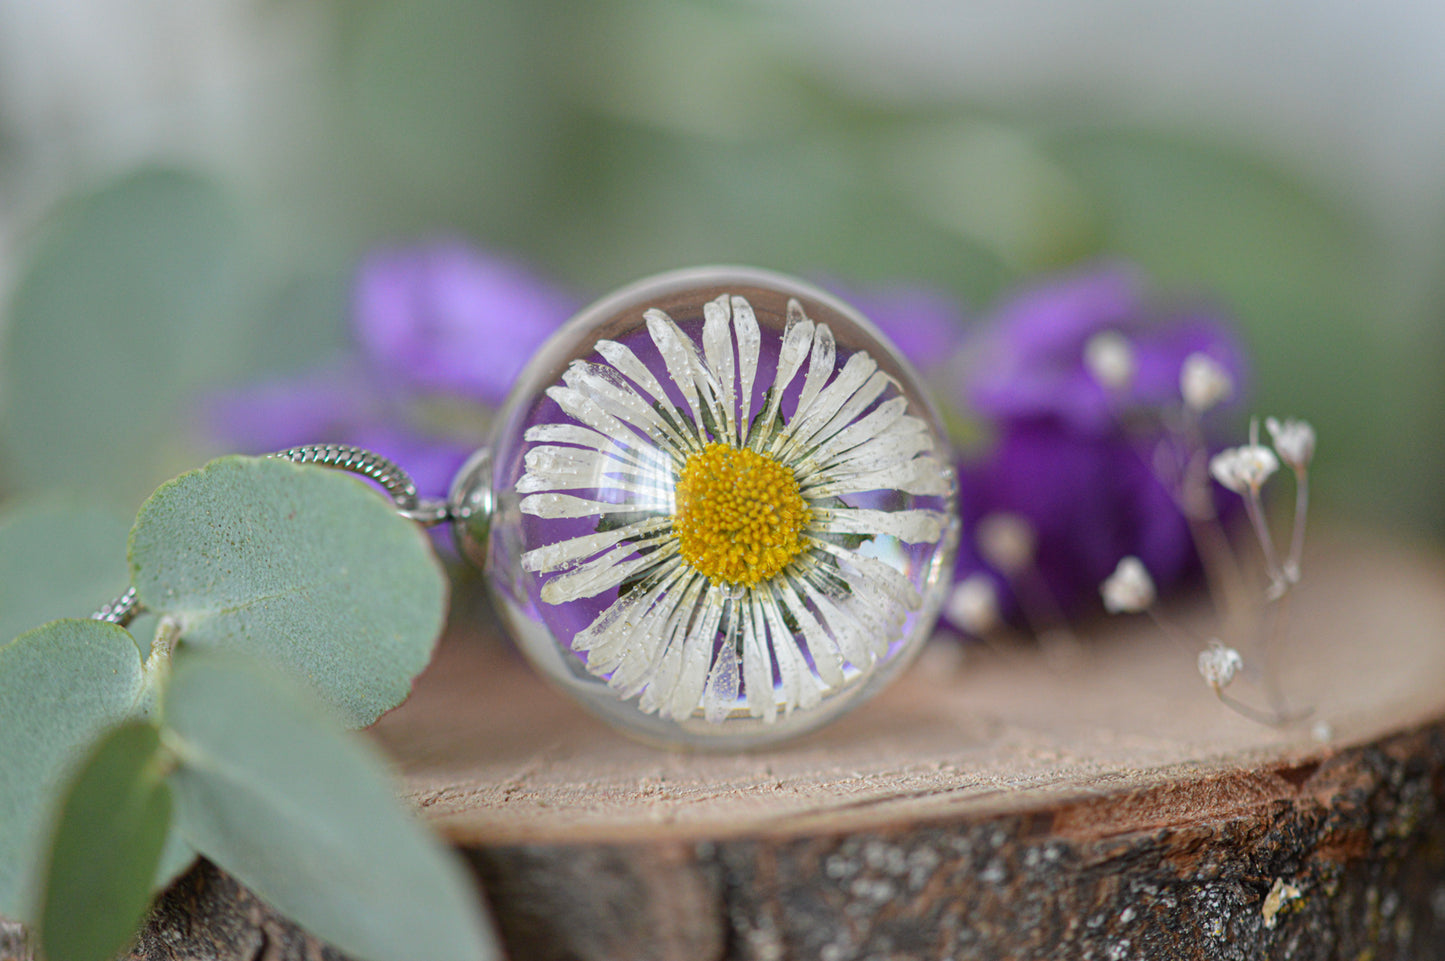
x=312 y=408
x=333 y=407
x=925 y=324
x=446 y=317
x=1091 y=501
x=1162 y=349
x=1030 y=361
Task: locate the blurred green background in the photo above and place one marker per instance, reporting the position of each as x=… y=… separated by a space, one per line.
x=185 y=185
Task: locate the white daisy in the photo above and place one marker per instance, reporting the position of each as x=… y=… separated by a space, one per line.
x=739 y=568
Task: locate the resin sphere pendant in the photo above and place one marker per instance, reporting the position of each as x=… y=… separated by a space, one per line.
x=717 y=508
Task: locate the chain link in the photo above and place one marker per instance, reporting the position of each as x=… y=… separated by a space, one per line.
x=120 y=611
x=371 y=465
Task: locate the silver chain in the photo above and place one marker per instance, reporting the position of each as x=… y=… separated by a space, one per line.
x=120 y=611
x=396 y=482
x=357 y=460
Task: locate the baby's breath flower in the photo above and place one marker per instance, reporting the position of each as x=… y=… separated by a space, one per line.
x=1006 y=540
x=1204 y=382
x=973 y=604
x=1245 y=468
x=1109 y=355
x=1129 y=589
x=1218 y=664
x=1294 y=440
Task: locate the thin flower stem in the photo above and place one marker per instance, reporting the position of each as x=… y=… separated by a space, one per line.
x=1182 y=636
x=1039 y=606
x=1270 y=718
x=1254 y=507
x=1297 y=537
x=1190 y=490
x=1222 y=573
x=1273 y=618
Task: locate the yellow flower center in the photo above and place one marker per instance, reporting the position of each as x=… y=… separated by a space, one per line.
x=739 y=515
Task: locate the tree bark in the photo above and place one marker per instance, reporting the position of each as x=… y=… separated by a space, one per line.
x=992 y=804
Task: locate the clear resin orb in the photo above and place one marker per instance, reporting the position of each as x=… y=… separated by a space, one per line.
x=717 y=509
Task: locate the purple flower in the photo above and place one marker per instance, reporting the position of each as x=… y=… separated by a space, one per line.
x=447 y=318
x=1030 y=364
x=926 y=325
x=1071 y=457
x=1090 y=499
x=442 y=330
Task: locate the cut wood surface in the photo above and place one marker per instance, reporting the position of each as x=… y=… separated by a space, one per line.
x=992 y=804
x=496 y=756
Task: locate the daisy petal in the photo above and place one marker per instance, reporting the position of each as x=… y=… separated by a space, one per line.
x=641 y=658
x=850 y=410
x=757 y=665
x=610 y=392
x=676 y=351
x=797 y=338
x=717 y=344
x=799 y=689
x=721 y=692
x=875 y=572
x=821 y=365
x=579 y=436
x=564 y=555
x=844 y=628
x=911 y=526
x=860 y=431
x=553 y=506
x=827 y=658
x=663 y=678
x=602 y=574
x=606 y=638
x=809 y=420
x=621 y=357
x=696 y=660
x=580 y=407
x=750 y=345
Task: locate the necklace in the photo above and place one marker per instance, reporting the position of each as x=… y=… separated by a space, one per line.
x=716 y=508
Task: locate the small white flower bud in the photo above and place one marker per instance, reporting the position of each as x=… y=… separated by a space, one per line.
x=1006 y=541
x=1294 y=440
x=973 y=604
x=1218 y=665
x=1245 y=468
x=1203 y=382
x=1129 y=589
x=1110 y=358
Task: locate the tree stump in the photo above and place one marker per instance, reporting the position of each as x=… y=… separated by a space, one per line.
x=988 y=805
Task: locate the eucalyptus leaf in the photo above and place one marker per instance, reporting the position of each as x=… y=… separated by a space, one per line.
x=176 y=859
x=305 y=567
x=61 y=685
x=58 y=559
x=127 y=307
x=304 y=814
x=108 y=842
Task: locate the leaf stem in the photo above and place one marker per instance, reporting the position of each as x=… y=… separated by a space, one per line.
x=157 y=667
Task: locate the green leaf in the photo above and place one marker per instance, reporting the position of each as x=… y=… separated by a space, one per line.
x=305 y=567
x=304 y=814
x=176 y=859
x=127 y=308
x=58 y=559
x=61 y=685
x=108 y=842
